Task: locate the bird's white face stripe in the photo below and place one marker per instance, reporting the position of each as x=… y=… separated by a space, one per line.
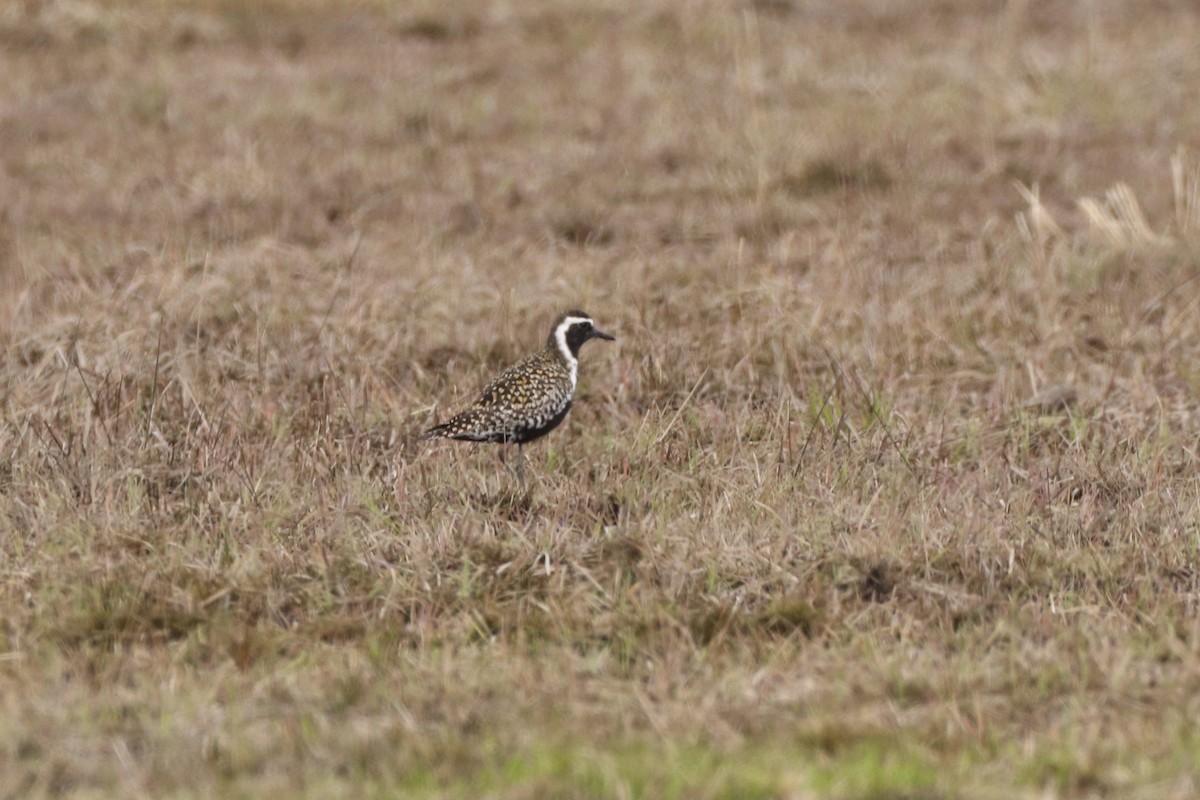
x=560 y=336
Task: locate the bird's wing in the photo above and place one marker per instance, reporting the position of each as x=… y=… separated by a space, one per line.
x=500 y=390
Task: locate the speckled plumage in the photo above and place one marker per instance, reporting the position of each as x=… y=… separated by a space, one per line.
x=530 y=398
x=516 y=406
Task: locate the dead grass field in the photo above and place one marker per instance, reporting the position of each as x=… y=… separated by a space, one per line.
x=888 y=489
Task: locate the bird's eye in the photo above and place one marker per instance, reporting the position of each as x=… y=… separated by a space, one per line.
x=585 y=326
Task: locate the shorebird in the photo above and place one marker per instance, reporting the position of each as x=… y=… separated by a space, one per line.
x=530 y=398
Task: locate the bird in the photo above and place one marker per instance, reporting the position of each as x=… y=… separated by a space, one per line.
x=530 y=398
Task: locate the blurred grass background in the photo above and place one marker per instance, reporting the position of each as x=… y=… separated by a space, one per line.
x=887 y=489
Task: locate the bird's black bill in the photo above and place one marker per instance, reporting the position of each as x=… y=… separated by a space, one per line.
x=596 y=333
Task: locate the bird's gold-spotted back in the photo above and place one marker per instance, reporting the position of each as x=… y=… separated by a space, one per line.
x=536 y=385
x=523 y=402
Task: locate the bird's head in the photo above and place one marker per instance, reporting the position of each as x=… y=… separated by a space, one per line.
x=571 y=330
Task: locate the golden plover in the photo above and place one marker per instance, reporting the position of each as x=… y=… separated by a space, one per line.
x=530 y=398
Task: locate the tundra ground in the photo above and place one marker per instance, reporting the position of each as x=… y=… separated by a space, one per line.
x=888 y=489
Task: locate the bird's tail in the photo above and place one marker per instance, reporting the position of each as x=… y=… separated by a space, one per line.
x=470 y=425
x=436 y=432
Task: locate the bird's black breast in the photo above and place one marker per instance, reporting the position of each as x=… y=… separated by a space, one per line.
x=527 y=433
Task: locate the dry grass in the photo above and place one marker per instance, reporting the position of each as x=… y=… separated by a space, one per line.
x=887 y=490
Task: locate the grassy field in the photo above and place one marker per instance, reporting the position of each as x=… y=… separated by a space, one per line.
x=888 y=489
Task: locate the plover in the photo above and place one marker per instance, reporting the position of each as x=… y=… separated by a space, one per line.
x=530 y=398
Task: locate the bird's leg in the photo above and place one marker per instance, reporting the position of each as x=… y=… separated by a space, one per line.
x=519 y=471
